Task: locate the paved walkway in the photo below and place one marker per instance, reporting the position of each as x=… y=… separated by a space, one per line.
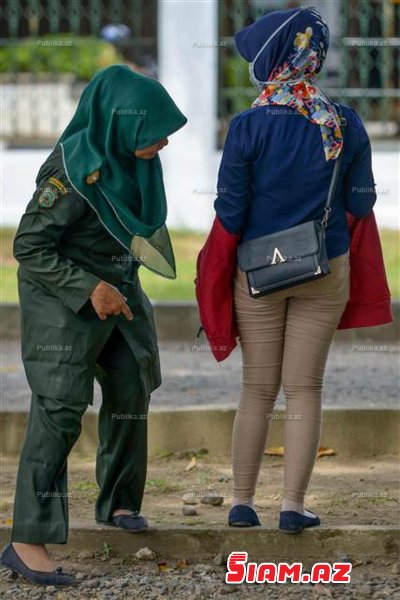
x=357 y=375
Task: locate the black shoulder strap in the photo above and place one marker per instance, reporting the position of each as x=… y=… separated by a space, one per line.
x=336 y=169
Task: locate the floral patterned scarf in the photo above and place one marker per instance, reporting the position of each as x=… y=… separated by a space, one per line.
x=293 y=45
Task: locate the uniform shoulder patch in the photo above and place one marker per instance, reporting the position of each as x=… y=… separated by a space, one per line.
x=59 y=185
x=50 y=192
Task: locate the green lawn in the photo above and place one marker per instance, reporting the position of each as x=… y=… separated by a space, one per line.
x=186 y=245
x=391 y=252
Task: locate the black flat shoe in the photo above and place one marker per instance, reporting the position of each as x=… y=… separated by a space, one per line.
x=132 y=522
x=291 y=521
x=243 y=516
x=11 y=560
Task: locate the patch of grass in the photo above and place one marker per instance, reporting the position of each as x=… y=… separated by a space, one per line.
x=9 y=285
x=390 y=240
x=204 y=476
x=162 y=454
x=88 y=490
x=6 y=239
x=8 y=267
x=106 y=550
x=186 y=246
x=86 y=486
x=194 y=521
x=380 y=499
x=162 y=486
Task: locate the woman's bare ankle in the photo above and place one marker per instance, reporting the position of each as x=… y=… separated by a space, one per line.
x=121 y=511
x=35 y=556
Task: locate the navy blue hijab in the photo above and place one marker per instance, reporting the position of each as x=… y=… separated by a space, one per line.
x=285 y=50
x=252 y=38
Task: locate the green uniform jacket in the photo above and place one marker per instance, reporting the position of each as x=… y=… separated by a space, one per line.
x=63 y=251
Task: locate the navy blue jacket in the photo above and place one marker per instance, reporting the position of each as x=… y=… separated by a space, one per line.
x=273 y=175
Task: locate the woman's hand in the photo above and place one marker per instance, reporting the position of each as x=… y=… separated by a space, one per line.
x=108 y=300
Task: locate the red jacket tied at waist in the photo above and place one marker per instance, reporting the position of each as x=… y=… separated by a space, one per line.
x=369 y=303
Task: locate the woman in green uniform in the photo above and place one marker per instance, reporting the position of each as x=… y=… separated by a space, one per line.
x=98 y=213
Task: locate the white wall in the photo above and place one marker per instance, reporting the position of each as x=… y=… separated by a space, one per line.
x=187 y=59
x=18 y=170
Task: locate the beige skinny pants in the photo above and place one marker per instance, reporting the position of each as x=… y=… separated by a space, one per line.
x=285 y=339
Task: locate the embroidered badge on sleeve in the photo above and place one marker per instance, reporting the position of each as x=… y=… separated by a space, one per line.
x=51 y=192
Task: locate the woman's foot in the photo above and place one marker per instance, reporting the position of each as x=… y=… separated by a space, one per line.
x=291 y=521
x=129 y=520
x=242 y=515
x=35 y=556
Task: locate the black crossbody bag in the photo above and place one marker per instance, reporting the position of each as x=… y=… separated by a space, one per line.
x=292 y=256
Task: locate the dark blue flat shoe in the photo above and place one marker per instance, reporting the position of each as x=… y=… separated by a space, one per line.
x=293 y=522
x=11 y=560
x=132 y=522
x=242 y=516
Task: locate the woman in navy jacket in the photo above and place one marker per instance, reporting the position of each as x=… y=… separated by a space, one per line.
x=275 y=173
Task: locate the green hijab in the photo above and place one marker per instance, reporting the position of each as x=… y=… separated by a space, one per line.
x=121 y=111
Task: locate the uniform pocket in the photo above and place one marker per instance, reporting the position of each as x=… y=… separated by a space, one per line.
x=56 y=361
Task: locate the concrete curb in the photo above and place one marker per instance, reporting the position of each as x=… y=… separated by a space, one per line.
x=350 y=432
x=179 y=321
x=266 y=544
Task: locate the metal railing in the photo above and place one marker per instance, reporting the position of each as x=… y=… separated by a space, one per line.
x=41 y=82
x=49 y=49
x=362 y=67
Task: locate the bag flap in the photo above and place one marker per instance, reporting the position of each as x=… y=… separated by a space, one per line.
x=288 y=244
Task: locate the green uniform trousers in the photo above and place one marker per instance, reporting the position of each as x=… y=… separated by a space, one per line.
x=41 y=499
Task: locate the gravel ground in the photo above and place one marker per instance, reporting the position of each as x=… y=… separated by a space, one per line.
x=113 y=578
x=357 y=375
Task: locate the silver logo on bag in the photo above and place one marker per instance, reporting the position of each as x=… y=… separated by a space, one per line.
x=277 y=257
